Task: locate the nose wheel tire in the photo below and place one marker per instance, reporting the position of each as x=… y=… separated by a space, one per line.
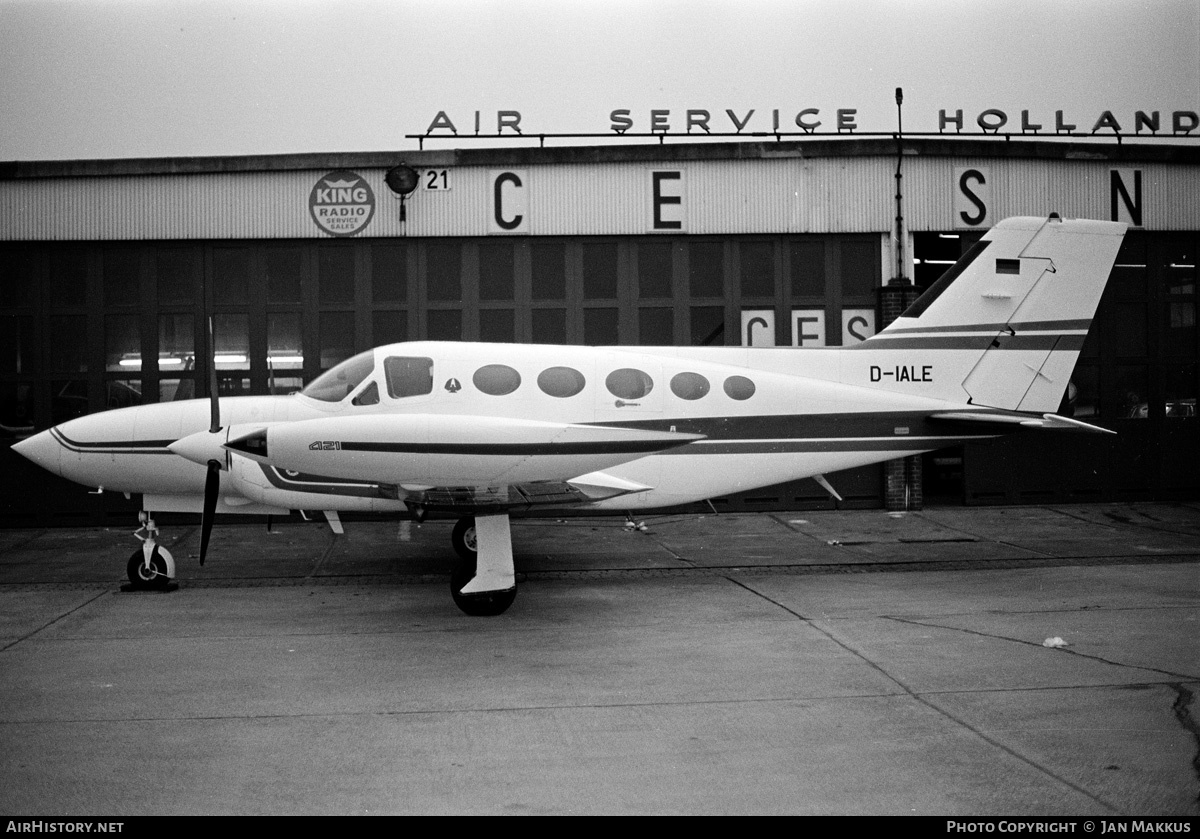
x=153 y=578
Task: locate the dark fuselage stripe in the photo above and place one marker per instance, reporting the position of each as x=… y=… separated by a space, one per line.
x=322 y=485
x=979 y=343
x=893 y=444
x=112 y=447
x=513 y=449
x=1056 y=326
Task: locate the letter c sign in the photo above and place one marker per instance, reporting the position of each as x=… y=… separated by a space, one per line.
x=510 y=212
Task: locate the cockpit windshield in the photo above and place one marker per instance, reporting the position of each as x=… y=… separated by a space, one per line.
x=338 y=382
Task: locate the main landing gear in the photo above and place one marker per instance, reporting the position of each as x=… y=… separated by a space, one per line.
x=151 y=566
x=484 y=582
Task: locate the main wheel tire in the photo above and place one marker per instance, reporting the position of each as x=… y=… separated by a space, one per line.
x=147 y=579
x=486 y=604
x=465 y=543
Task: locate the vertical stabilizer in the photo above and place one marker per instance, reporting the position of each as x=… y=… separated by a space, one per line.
x=1007 y=321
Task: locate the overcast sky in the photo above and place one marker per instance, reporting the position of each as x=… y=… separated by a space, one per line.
x=132 y=78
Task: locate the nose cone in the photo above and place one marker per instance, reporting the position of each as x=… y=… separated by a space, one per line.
x=43 y=449
x=201 y=447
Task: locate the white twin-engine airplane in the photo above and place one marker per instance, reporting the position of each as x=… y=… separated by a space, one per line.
x=485 y=430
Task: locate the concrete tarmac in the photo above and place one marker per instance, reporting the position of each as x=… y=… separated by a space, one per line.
x=797 y=663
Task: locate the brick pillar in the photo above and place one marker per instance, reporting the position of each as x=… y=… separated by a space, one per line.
x=902 y=478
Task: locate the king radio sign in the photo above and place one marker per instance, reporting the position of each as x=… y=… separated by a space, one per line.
x=341 y=203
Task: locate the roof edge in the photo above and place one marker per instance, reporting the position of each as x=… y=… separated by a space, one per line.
x=950 y=146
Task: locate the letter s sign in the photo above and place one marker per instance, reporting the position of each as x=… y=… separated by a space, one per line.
x=510 y=203
x=972 y=197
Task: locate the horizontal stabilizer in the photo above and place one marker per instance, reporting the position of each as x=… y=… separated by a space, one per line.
x=1045 y=421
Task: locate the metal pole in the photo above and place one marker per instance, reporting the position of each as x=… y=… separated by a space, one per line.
x=901 y=273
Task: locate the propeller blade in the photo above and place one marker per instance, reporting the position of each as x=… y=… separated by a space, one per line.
x=212 y=487
x=215 y=424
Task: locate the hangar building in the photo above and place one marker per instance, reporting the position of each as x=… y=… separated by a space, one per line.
x=110 y=268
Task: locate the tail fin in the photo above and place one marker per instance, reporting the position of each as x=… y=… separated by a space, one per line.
x=1014 y=311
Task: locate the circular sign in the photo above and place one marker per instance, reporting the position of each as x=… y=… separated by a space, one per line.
x=341 y=203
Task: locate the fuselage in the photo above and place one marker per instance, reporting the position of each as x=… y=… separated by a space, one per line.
x=681 y=425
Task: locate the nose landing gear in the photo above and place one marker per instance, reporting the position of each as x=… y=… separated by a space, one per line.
x=151 y=567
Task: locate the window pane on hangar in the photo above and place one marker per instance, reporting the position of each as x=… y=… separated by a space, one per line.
x=231 y=275
x=16 y=407
x=18 y=349
x=807 y=267
x=497 y=326
x=1179 y=328
x=1179 y=388
x=284 y=351
x=860 y=267
x=757 y=262
x=231 y=334
x=656 y=327
x=599 y=270
x=68 y=349
x=122 y=344
x=335 y=273
x=389 y=273
x=706 y=269
x=176 y=344
x=654 y=269
x=176 y=274
x=549 y=268
x=1128 y=277
x=496 y=271
x=1129 y=382
x=389 y=327
x=336 y=330
x=444 y=325
x=1179 y=266
x=600 y=327
x=708 y=326
x=121 y=277
x=443 y=271
x=69 y=399
x=68 y=278
x=1129 y=329
x=18 y=277
x=284 y=266
x=549 y=326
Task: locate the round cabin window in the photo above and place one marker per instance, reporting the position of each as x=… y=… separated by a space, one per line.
x=628 y=383
x=689 y=386
x=739 y=388
x=497 y=379
x=561 y=382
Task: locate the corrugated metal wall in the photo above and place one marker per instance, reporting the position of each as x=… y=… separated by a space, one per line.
x=781 y=195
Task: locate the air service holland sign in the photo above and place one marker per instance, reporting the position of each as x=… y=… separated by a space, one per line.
x=341 y=203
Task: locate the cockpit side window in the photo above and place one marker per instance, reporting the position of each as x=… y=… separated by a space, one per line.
x=369 y=395
x=338 y=382
x=408 y=376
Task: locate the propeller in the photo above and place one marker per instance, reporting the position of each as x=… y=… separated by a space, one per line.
x=212 y=483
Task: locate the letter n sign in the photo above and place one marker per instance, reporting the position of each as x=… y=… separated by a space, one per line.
x=509 y=201
x=1125 y=196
